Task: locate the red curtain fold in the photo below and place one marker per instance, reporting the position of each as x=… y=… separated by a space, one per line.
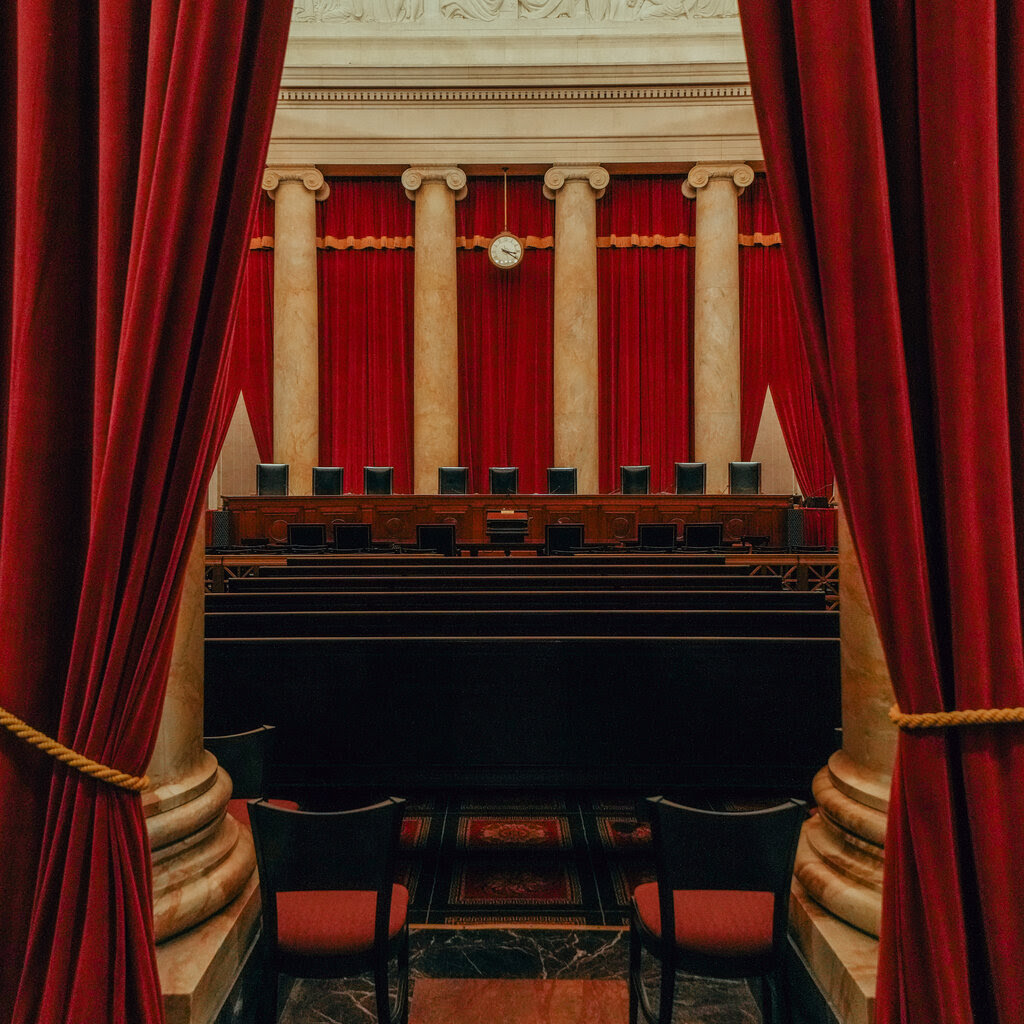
x=645 y=330
x=505 y=336
x=252 y=346
x=366 y=331
x=909 y=295
x=129 y=129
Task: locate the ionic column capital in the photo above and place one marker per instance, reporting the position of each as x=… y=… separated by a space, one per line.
x=701 y=175
x=310 y=177
x=595 y=176
x=453 y=177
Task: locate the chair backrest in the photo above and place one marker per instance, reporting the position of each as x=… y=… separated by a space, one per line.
x=562 y=538
x=439 y=537
x=243 y=755
x=328 y=479
x=452 y=479
x=561 y=480
x=377 y=479
x=635 y=479
x=744 y=477
x=503 y=479
x=272 y=478
x=702 y=535
x=352 y=536
x=307 y=535
x=691 y=477
x=656 y=535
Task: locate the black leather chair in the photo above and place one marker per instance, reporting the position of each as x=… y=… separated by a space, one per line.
x=452 y=480
x=377 y=479
x=720 y=905
x=561 y=480
x=331 y=907
x=691 y=477
x=635 y=479
x=503 y=479
x=744 y=477
x=272 y=478
x=307 y=536
x=328 y=479
x=563 y=538
x=437 y=537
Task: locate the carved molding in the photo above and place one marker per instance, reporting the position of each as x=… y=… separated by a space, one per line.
x=702 y=174
x=340 y=95
x=326 y=12
x=555 y=177
x=310 y=177
x=453 y=177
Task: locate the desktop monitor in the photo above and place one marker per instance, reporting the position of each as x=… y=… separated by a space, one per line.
x=563 y=538
x=439 y=537
x=272 y=478
x=307 y=535
x=328 y=479
x=352 y=536
x=702 y=535
x=744 y=477
x=504 y=479
x=562 y=480
x=656 y=536
x=635 y=479
x=377 y=479
x=691 y=477
x=452 y=480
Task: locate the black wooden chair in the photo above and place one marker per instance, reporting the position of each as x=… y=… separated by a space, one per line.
x=331 y=908
x=720 y=905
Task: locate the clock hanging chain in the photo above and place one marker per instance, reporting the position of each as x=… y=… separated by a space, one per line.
x=504 y=172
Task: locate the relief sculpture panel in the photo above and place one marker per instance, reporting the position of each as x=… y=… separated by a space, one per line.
x=590 y=11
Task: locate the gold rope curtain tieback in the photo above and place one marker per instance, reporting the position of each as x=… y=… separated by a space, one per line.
x=944 y=719
x=67 y=756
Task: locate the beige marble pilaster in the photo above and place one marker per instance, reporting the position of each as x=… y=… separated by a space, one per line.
x=716 y=317
x=575 y=190
x=435 y=190
x=295 y=191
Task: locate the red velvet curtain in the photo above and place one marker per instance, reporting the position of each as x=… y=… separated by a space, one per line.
x=894 y=144
x=645 y=231
x=772 y=348
x=135 y=138
x=365 y=272
x=506 y=396
x=252 y=347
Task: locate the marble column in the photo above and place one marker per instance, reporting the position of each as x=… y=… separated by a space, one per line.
x=575 y=190
x=205 y=897
x=435 y=190
x=295 y=191
x=716 y=317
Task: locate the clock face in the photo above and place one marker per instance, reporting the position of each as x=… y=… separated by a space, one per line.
x=505 y=251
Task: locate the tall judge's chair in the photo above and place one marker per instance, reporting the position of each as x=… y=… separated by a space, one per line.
x=635 y=479
x=272 y=478
x=452 y=480
x=561 y=480
x=328 y=479
x=744 y=477
x=720 y=904
x=691 y=477
x=378 y=479
x=503 y=479
x=331 y=908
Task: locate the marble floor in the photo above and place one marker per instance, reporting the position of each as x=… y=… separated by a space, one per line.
x=481 y=975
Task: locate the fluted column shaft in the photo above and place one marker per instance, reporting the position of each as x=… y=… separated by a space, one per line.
x=716 y=318
x=435 y=322
x=295 y=191
x=575 y=191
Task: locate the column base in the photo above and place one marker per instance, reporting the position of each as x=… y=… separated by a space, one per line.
x=199 y=968
x=842 y=960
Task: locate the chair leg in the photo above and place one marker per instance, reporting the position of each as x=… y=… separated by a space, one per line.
x=668 y=992
x=266 y=995
x=400 y=1014
x=634 y=973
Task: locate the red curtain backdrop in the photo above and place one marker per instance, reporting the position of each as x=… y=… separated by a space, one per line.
x=895 y=147
x=772 y=348
x=505 y=335
x=252 y=347
x=645 y=231
x=365 y=267
x=135 y=137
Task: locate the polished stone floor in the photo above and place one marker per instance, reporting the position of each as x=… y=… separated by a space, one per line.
x=575 y=976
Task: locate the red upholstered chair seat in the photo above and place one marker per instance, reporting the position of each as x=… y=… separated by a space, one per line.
x=239 y=809
x=334 y=923
x=713 y=922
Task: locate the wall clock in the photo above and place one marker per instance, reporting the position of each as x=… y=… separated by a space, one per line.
x=505 y=250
